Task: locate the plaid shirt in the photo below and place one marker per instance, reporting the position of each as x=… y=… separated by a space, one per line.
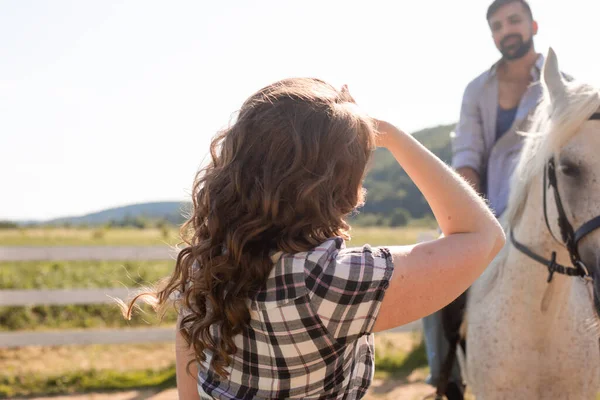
x=310 y=334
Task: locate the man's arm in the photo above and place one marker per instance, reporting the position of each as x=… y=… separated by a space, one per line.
x=468 y=148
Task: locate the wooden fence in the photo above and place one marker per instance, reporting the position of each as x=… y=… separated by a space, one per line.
x=90 y=296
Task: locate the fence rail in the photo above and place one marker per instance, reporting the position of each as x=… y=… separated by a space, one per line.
x=112 y=336
x=85 y=253
x=14 y=297
x=61 y=296
x=92 y=336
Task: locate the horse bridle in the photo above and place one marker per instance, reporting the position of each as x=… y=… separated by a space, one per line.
x=570 y=237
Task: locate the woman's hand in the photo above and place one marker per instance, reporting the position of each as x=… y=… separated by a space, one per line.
x=385 y=131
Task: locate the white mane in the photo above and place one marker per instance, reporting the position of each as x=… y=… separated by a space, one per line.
x=564 y=107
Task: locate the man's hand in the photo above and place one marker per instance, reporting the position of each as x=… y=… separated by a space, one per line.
x=471 y=177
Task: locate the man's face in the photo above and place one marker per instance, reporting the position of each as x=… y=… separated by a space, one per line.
x=512 y=30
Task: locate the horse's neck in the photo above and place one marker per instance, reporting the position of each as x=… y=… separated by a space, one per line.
x=530 y=277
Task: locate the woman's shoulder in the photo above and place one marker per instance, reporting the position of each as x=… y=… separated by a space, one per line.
x=329 y=263
x=287 y=280
x=356 y=266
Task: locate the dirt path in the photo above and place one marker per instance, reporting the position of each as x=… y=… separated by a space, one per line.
x=129 y=395
x=388 y=390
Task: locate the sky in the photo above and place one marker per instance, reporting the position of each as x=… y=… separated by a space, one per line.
x=107 y=103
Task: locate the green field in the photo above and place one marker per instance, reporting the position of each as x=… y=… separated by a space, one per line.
x=88 y=237
x=81 y=274
x=158 y=237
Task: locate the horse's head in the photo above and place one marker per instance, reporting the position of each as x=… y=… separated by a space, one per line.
x=573 y=142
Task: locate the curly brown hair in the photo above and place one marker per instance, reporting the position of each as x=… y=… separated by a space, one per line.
x=283 y=177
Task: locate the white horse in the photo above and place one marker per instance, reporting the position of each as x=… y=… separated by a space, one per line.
x=528 y=338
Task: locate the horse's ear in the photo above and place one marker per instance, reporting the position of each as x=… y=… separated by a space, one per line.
x=552 y=77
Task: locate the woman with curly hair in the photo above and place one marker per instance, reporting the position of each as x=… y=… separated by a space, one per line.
x=272 y=303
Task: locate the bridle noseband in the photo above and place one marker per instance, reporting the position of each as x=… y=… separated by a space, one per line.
x=570 y=237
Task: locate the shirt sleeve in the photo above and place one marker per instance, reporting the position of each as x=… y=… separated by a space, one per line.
x=347 y=293
x=468 y=146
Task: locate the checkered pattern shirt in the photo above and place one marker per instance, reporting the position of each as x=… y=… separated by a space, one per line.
x=310 y=334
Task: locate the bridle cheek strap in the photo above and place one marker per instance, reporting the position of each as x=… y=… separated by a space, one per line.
x=570 y=237
x=586 y=228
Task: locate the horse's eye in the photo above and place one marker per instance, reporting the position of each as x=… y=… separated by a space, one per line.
x=569 y=169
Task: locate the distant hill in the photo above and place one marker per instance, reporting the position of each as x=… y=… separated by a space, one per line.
x=389 y=187
x=390 y=192
x=170 y=211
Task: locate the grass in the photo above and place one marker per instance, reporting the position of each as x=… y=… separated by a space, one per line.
x=399 y=355
x=63 y=360
x=78 y=369
x=86 y=381
x=78 y=274
x=158 y=237
x=42 y=318
x=385 y=236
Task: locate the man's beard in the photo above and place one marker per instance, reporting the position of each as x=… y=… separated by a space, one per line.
x=517 y=50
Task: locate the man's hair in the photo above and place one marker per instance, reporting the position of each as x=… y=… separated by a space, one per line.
x=497 y=4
